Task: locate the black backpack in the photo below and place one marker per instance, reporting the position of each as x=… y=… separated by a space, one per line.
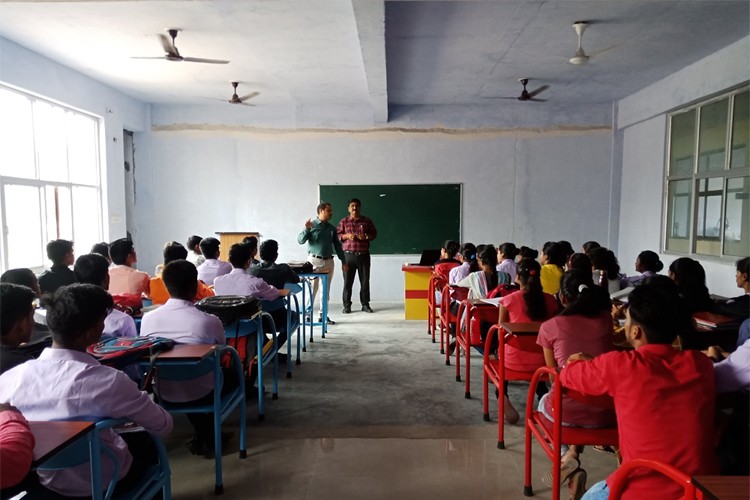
x=230 y=308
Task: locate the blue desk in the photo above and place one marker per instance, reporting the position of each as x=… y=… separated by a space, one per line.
x=324 y=297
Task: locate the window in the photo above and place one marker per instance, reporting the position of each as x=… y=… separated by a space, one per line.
x=50 y=178
x=707 y=201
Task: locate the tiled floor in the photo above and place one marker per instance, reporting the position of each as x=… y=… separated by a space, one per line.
x=372 y=413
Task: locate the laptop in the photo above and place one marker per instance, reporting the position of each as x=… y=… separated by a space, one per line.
x=429 y=257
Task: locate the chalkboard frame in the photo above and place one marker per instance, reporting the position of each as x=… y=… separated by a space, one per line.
x=409 y=217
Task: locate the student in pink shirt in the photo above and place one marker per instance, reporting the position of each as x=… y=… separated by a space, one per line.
x=528 y=304
x=584 y=325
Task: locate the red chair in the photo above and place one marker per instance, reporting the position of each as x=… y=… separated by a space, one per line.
x=437 y=282
x=469 y=335
x=619 y=479
x=551 y=435
x=447 y=318
x=496 y=372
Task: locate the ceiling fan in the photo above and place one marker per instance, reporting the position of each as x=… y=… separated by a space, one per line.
x=525 y=94
x=580 y=56
x=172 y=54
x=235 y=99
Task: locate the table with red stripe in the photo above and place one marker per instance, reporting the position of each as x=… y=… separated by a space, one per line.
x=416 y=287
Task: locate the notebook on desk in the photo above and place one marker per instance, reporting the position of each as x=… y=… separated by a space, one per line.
x=429 y=257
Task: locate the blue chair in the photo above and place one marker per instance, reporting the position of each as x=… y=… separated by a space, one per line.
x=293 y=323
x=306 y=311
x=186 y=369
x=88 y=448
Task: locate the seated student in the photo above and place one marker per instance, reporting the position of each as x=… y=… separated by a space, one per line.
x=239 y=282
x=584 y=325
x=603 y=259
x=481 y=282
x=16 y=447
x=530 y=303
x=469 y=264
x=194 y=250
x=647 y=264
x=212 y=266
x=252 y=243
x=578 y=261
x=448 y=260
x=664 y=397
x=158 y=290
x=65 y=383
x=739 y=307
x=16 y=323
x=94 y=270
x=690 y=278
x=123 y=277
x=40 y=335
x=178 y=319
x=274 y=274
x=567 y=249
x=553 y=259
x=506 y=257
x=60 y=252
x=590 y=245
x=102 y=249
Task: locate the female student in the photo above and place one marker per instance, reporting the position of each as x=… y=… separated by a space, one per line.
x=690 y=278
x=739 y=307
x=528 y=304
x=603 y=259
x=487 y=278
x=646 y=264
x=584 y=325
x=506 y=255
x=553 y=260
x=469 y=264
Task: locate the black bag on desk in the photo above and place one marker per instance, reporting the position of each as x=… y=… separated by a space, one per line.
x=230 y=308
x=301 y=267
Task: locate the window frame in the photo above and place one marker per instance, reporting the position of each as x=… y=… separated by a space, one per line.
x=694 y=177
x=37 y=182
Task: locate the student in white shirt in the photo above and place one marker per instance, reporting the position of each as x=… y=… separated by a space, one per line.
x=93 y=269
x=212 y=266
x=65 y=383
x=194 y=250
x=178 y=319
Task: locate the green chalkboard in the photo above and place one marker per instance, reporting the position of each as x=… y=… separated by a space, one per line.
x=409 y=217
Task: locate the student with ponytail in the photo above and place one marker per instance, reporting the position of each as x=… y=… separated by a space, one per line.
x=646 y=264
x=487 y=278
x=553 y=260
x=530 y=303
x=469 y=264
x=585 y=325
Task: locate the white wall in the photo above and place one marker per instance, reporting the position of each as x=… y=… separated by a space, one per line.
x=29 y=71
x=642 y=126
x=526 y=187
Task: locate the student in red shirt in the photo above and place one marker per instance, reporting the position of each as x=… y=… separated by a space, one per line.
x=664 y=398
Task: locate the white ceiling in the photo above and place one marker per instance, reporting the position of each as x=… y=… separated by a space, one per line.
x=376 y=54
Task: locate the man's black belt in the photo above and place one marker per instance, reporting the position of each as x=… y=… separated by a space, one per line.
x=357 y=253
x=321 y=257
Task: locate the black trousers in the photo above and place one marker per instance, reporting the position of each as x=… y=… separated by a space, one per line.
x=358 y=264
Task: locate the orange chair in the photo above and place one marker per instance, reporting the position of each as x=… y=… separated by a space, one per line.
x=619 y=479
x=551 y=435
x=469 y=335
x=496 y=372
x=437 y=282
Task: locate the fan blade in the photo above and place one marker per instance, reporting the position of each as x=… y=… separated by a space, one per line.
x=538 y=91
x=201 y=60
x=495 y=97
x=139 y=57
x=246 y=104
x=536 y=100
x=249 y=96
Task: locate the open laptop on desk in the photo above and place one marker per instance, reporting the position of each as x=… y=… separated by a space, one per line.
x=429 y=257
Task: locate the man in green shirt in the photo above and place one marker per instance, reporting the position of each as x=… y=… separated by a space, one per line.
x=322 y=242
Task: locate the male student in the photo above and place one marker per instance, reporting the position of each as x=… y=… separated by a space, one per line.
x=93 y=269
x=16 y=323
x=322 y=243
x=194 y=250
x=239 y=282
x=123 y=277
x=664 y=397
x=158 y=290
x=356 y=232
x=276 y=275
x=65 y=383
x=178 y=319
x=40 y=336
x=60 y=252
x=212 y=266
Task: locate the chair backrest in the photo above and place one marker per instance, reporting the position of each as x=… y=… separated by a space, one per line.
x=444 y=268
x=619 y=479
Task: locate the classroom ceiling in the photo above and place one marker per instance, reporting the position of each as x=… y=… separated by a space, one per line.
x=377 y=55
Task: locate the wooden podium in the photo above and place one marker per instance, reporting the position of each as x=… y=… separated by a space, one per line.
x=229 y=238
